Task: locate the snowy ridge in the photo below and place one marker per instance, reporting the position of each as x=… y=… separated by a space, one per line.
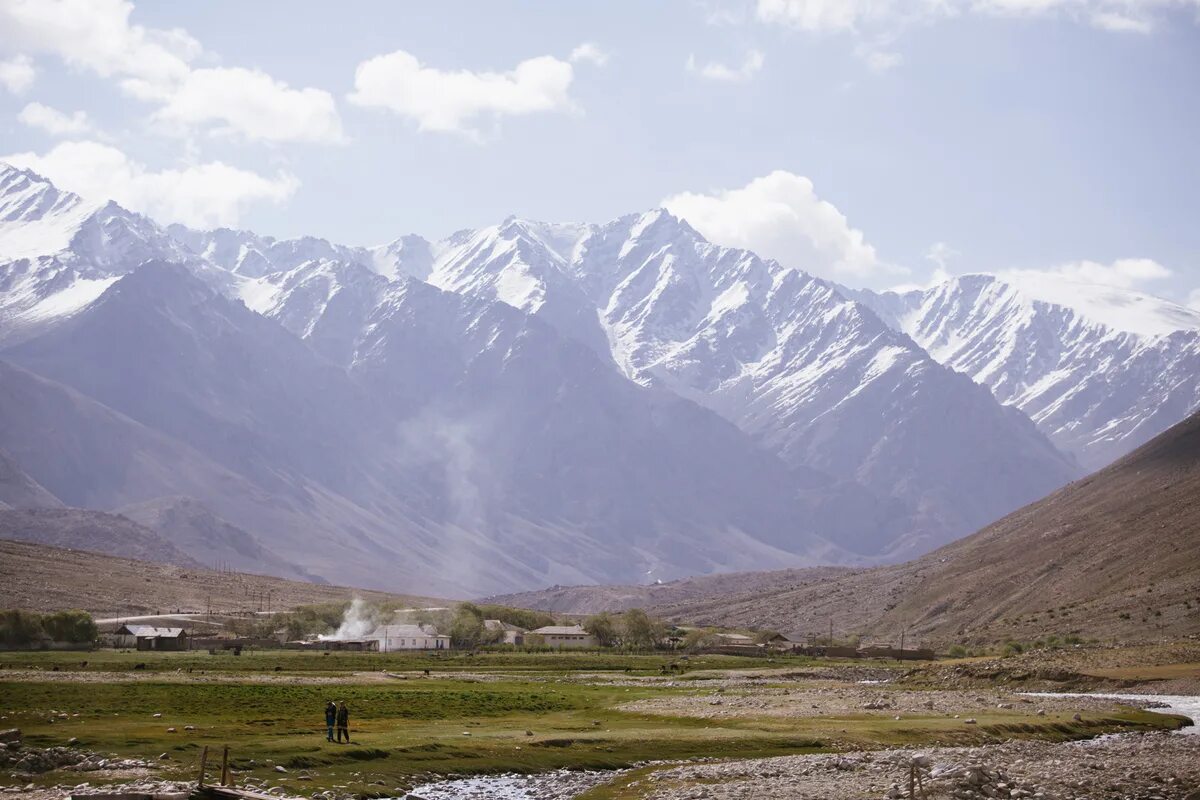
x=1099 y=370
x=531 y=402
x=784 y=356
x=59 y=252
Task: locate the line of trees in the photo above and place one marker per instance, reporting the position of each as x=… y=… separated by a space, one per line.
x=467 y=629
x=21 y=628
x=633 y=629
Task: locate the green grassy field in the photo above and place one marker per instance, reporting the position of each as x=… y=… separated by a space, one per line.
x=475 y=714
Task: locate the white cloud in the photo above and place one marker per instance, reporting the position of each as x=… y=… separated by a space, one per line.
x=823 y=15
x=155 y=65
x=715 y=70
x=941 y=254
x=1124 y=273
x=878 y=60
x=201 y=195
x=1116 y=21
x=53 y=121
x=96 y=35
x=445 y=100
x=251 y=103
x=1194 y=299
x=17 y=73
x=780 y=216
x=869 y=19
x=589 y=52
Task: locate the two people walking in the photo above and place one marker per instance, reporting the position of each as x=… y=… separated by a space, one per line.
x=337 y=715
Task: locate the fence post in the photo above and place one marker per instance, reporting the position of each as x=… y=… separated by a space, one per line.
x=225 y=766
x=203 y=764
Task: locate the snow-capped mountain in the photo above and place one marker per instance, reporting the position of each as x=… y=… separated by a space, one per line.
x=517 y=405
x=59 y=252
x=810 y=374
x=1099 y=369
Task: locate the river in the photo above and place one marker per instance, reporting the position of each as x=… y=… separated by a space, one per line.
x=1183 y=705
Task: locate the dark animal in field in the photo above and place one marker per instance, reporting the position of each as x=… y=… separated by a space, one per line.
x=140 y=665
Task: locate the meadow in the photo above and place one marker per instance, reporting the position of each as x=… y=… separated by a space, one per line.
x=470 y=714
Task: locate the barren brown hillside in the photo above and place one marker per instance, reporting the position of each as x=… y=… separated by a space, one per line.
x=96 y=530
x=46 y=578
x=1116 y=554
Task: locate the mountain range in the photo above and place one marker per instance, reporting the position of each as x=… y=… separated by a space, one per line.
x=522 y=404
x=1112 y=555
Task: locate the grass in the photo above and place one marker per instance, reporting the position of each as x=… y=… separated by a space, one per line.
x=406 y=730
x=1155 y=672
x=339 y=663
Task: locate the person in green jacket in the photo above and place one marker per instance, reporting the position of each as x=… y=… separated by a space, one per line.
x=343 y=722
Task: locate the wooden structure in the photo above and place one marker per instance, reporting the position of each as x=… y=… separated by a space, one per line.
x=149 y=637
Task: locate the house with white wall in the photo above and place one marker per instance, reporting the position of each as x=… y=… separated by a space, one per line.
x=392 y=638
x=566 y=637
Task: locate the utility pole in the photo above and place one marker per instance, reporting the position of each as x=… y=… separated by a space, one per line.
x=902 y=631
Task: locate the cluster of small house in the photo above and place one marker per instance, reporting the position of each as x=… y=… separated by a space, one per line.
x=397 y=637
x=406 y=636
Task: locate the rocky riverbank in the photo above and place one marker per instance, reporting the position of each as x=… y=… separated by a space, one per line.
x=1147 y=767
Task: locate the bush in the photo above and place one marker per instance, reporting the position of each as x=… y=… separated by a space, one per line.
x=1012 y=649
x=957 y=651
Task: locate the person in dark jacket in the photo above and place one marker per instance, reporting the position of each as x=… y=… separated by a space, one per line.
x=343 y=722
x=330 y=720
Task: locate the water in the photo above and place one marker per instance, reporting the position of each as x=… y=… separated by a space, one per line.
x=1183 y=705
x=560 y=785
x=564 y=784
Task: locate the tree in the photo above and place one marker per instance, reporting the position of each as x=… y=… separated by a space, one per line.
x=699 y=638
x=70 y=626
x=765 y=637
x=639 y=631
x=466 y=630
x=20 y=627
x=603 y=627
x=522 y=617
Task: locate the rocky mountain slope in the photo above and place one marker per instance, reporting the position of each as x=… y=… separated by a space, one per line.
x=514 y=406
x=75 y=528
x=808 y=374
x=205 y=537
x=1115 y=554
x=18 y=490
x=44 y=578
x=1099 y=370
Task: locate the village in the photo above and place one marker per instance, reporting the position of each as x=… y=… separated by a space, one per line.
x=396 y=636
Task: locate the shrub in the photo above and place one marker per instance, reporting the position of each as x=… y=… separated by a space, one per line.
x=1012 y=648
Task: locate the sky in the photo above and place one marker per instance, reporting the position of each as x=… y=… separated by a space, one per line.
x=875 y=142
